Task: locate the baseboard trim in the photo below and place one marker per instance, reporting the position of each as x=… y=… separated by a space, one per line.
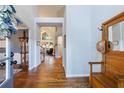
x=31 y=68
x=77 y=75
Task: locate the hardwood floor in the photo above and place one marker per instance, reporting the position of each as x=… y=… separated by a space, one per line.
x=49 y=74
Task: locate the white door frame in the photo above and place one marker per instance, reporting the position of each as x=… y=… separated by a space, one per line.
x=44 y=22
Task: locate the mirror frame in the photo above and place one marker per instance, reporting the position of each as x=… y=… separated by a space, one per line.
x=105 y=34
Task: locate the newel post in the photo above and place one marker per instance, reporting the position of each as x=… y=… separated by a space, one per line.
x=9 y=67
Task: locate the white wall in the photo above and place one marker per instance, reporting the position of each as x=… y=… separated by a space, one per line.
x=82 y=32
x=36 y=35
x=16 y=44
x=27 y=13
x=78 y=32
x=61 y=11
x=59 y=33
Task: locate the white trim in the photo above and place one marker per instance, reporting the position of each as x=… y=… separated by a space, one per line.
x=49 y=20
x=34 y=66
x=41 y=21
x=30 y=68
x=77 y=75
x=37 y=65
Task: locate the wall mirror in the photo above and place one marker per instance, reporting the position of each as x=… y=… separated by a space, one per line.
x=113 y=34
x=116 y=36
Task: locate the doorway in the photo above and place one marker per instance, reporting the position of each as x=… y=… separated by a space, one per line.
x=46 y=25
x=20 y=48
x=48 y=42
x=51 y=42
x=60 y=45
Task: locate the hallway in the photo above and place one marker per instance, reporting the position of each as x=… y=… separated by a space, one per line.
x=49 y=74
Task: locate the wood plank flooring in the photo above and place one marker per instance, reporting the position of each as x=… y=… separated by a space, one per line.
x=49 y=74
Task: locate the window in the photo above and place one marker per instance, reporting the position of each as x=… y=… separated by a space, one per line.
x=45 y=36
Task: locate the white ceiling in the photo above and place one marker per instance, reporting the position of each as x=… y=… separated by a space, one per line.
x=49 y=10
x=54 y=8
